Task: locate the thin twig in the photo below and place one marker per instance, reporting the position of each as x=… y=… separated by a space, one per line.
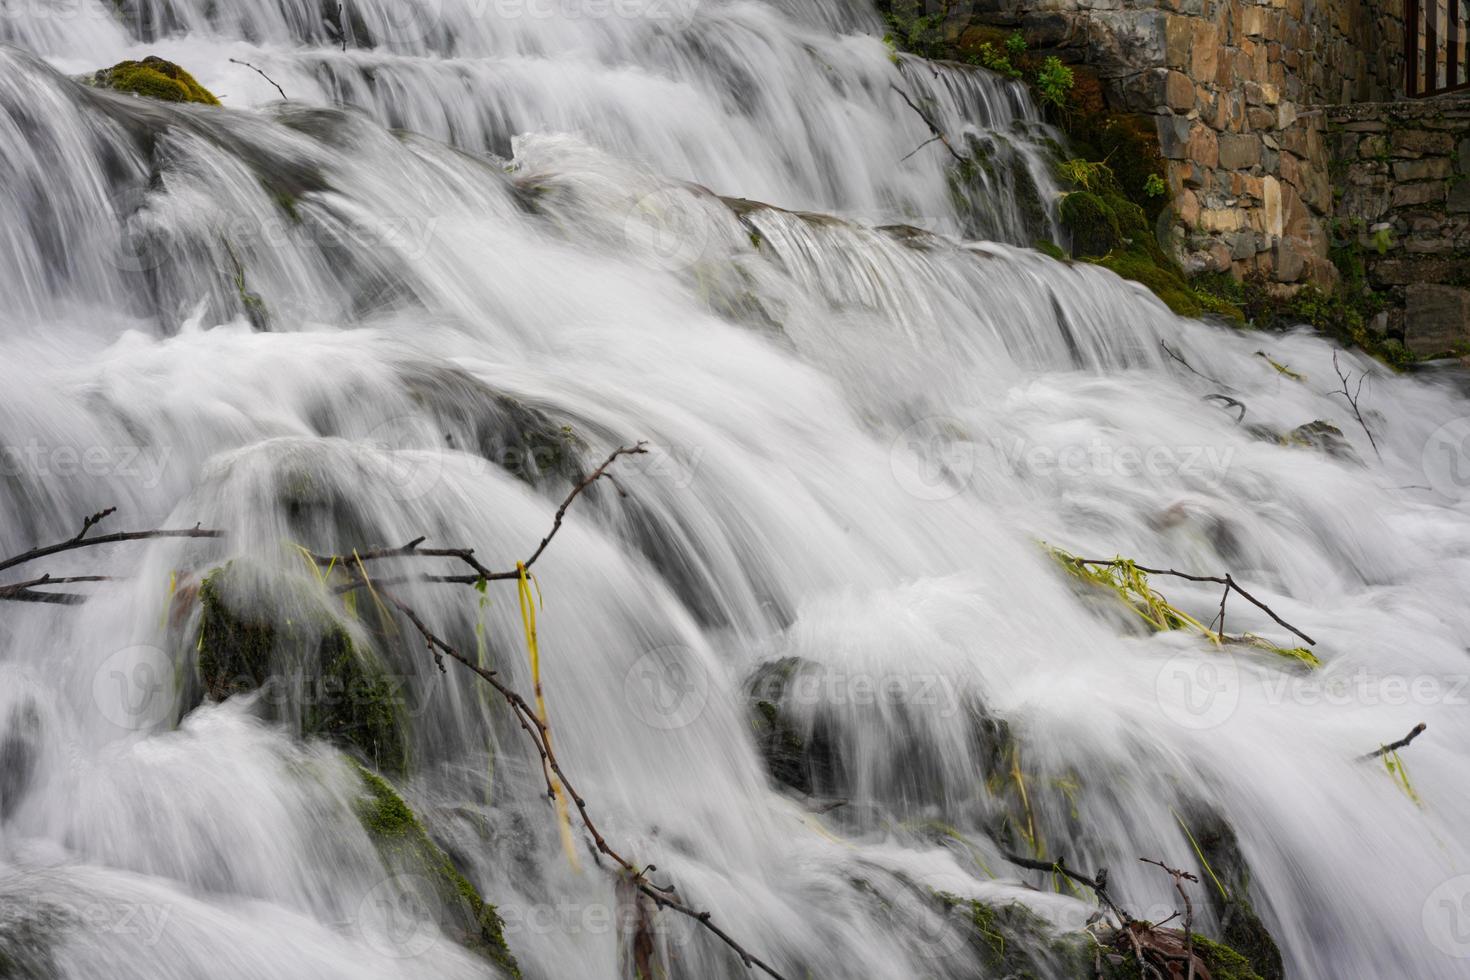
x=1180 y=877
x=1225 y=580
x=1344 y=377
x=1414 y=733
x=933 y=128
x=467 y=555
x=25 y=591
x=1187 y=366
x=267 y=77
x=1099 y=884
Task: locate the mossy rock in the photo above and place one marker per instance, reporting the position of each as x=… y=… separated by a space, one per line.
x=409 y=852
x=1226 y=877
x=1092 y=224
x=801 y=757
x=154 y=78
x=1223 y=963
x=319 y=679
x=1010 y=940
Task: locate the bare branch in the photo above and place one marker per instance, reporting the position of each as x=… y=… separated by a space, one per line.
x=1225 y=580
x=1351 y=396
x=933 y=128
x=267 y=77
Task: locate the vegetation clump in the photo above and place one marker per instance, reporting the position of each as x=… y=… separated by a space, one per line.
x=408 y=851
x=154 y=78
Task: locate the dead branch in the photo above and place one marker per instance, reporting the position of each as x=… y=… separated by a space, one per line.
x=25 y=591
x=267 y=77
x=1187 y=366
x=1180 y=877
x=1414 y=733
x=1351 y=396
x=467 y=555
x=1229 y=403
x=1225 y=580
x=928 y=121
x=1098 y=884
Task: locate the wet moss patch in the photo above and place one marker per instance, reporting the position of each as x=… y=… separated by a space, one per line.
x=154 y=78
x=407 y=850
x=306 y=662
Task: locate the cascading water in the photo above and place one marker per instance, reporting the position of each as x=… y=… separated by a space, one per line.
x=289 y=322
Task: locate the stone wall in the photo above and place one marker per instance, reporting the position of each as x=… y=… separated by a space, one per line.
x=1231 y=84
x=1402 y=170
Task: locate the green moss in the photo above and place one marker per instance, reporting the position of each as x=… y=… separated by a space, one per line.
x=1092 y=224
x=351 y=701
x=154 y=78
x=407 y=849
x=1164 y=282
x=1223 y=963
x=1052 y=249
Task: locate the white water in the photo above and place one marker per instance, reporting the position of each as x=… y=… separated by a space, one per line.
x=857 y=438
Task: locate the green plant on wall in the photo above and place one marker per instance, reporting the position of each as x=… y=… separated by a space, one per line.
x=1154 y=186
x=1054 y=81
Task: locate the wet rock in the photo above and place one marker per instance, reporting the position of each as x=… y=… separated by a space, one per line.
x=799 y=753
x=282 y=640
x=1322 y=436
x=1225 y=878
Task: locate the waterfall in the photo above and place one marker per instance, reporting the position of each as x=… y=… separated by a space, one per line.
x=480 y=246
